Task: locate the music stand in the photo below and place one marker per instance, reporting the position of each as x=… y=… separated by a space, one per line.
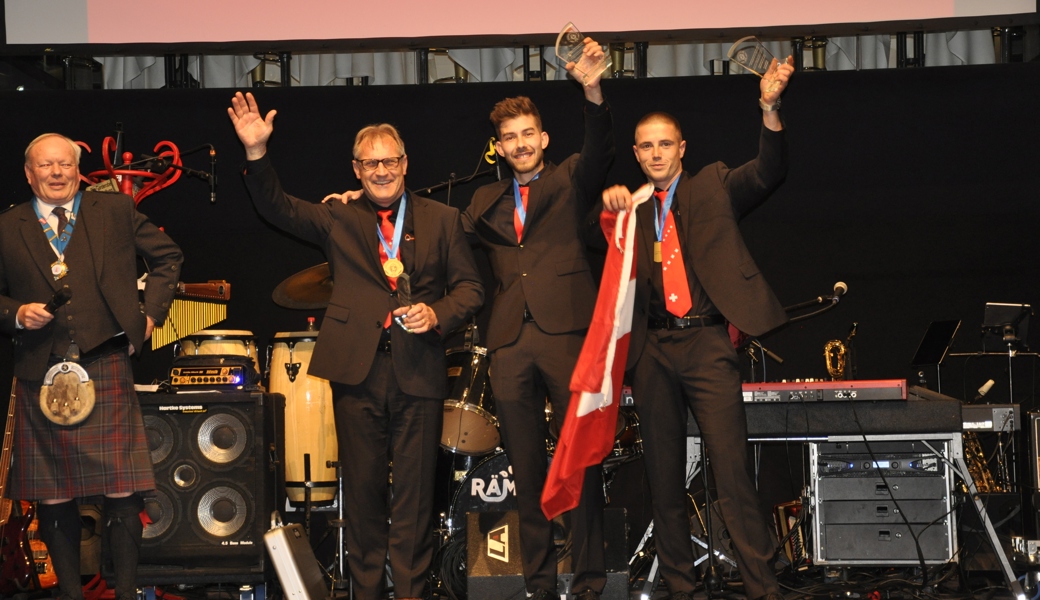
x=934 y=346
x=1006 y=324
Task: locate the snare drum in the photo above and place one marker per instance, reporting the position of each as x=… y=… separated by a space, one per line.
x=470 y=426
x=216 y=341
x=310 y=426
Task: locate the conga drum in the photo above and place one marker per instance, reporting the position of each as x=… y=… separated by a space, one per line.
x=310 y=427
x=221 y=341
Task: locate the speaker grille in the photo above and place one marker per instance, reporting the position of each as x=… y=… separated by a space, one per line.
x=217 y=480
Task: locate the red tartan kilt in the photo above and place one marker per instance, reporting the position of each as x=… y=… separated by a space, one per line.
x=105 y=454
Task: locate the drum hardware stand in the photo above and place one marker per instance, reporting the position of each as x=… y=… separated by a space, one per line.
x=712 y=581
x=472 y=338
x=754 y=347
x=307 y=486
x=340 y=580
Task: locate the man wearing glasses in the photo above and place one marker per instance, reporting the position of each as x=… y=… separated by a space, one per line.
x=385 y=360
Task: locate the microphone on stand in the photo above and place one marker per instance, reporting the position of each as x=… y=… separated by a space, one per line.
x=491 y=157
x=839 y=290
x=212 y=175
x=986 y=387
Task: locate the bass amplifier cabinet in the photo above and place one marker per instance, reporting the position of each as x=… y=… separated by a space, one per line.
x=877 y=501
x=218 y=478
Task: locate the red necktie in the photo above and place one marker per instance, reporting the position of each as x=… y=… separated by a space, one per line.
x=387 y=228
x=517 y=223
x=673 y=269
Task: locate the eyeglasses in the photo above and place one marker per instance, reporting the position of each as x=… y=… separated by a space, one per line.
x=371 y=164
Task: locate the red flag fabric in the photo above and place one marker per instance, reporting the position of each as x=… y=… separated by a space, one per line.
x=588 y=429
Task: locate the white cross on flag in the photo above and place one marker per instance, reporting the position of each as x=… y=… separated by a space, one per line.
x=588 y=429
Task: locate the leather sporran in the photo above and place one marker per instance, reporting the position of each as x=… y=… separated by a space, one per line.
x=67 y=394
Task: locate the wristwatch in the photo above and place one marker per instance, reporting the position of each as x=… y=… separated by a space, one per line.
x=766 y=108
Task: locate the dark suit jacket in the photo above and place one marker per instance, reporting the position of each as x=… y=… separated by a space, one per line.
x=362 y=296
x=549 y=271
x=117 y=234
x=708 y=207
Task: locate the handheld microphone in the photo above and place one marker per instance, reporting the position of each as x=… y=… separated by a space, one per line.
x=839 y=290
x=60 y=297
x=986 y=387
x=212 y=175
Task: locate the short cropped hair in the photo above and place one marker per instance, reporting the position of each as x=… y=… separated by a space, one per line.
x=75 y=147
x=661 y=117
x=373 y=132
x=511 y=108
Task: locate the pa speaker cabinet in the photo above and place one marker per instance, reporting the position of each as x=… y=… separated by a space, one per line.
x=218 y=478
x=494 y=567
x=877 y=500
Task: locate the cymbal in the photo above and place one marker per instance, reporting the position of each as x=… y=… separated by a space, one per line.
x=310 y=289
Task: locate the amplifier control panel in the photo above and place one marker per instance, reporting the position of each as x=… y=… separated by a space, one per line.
x=231 y=375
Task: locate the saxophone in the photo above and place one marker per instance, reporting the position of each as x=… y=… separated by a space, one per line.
x=834 y=354
x=978 y=468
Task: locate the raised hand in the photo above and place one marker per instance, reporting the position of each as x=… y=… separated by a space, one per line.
x=592 y=54
x=776 y=79
x=252 y=129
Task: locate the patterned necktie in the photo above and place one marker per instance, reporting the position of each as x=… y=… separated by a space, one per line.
x=59 y=211
x=387 y=228
x=673 y=269
x=517 y=223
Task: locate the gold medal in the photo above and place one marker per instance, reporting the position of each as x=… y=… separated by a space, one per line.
x=393 y=267
x=657 y=252
x=59 y=269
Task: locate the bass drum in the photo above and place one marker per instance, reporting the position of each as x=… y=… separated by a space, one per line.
x=220 y=341
x=487 y=487
x=470 y=426
x=310 y=426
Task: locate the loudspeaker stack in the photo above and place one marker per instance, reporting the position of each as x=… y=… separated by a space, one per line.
x=218 y=479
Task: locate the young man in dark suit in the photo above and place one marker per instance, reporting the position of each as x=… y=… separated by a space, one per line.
x=388 y=379
x=531 y=227
x=695 y=275
x=87 y=242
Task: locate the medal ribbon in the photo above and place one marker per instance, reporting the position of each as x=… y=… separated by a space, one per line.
x=521 y=206
x=666 y=207
x=59 y=242
x=395 y=246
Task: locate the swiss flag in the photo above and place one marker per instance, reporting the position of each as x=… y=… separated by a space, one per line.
x=588 y=429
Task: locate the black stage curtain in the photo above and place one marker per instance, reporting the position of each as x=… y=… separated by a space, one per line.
x=916 y=187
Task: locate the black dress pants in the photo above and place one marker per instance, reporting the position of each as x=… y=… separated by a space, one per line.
x=539 y=366
x=376 y=424
x=696 y=368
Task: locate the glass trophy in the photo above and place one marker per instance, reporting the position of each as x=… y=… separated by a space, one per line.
x=749 y=53
x=404 y=297
x=570 y=46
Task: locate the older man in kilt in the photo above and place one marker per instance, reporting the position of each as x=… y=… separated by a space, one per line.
x=86 y=243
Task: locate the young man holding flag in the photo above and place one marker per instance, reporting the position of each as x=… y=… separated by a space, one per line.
x=694 y=275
